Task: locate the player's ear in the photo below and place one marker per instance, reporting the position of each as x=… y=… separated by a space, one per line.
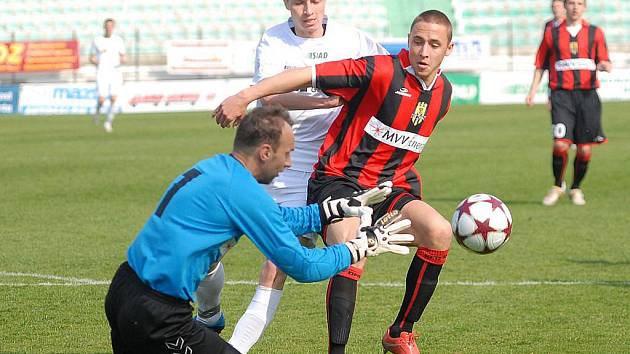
x=449 y=48
x=265 y=152
x=286 y=4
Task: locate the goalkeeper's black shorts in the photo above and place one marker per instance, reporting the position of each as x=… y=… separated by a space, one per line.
x=143 y=320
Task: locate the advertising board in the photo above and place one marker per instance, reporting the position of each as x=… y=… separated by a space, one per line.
x=35 y=56
x=9 y=95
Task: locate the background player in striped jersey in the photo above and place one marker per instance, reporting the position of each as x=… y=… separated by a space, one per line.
x=559 y=13
x=392 y=105
x=306 y=38
x=574 y=50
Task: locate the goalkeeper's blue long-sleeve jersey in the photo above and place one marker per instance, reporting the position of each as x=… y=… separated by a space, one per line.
x=203 y=214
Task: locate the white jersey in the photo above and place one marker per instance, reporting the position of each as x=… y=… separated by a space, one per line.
x=108 y=51
x=281 y=49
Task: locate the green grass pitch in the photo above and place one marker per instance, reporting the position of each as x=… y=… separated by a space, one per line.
x=73 y=197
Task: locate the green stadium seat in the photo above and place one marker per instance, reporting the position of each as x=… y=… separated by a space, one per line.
x=159 y=20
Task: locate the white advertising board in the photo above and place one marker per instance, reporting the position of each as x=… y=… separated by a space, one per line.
x=59 y=98
x=498 y=87
x=135 y=97
x=179 y=95
x=210 y=57
x=615 y=86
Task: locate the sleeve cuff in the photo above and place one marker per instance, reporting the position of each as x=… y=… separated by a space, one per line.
x=322 y=215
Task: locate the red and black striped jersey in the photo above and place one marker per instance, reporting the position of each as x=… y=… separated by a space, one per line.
x=572 y=59
x=550 y=23
x=385 y=123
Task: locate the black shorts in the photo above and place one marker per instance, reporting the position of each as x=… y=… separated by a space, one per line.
x=576 y=116
x=339 y=187
x=143 y=320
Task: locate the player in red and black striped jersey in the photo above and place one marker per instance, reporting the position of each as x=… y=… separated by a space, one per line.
x=575 y=51
x=391 y=107
x=559 y=14
x=387 y=121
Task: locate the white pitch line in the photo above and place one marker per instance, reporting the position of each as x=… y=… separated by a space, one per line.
x=18 y=285
x=71 y=281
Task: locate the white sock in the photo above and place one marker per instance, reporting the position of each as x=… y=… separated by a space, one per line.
x=209 y=295
x=258 y=316
x=97 y=113
x=110 y=113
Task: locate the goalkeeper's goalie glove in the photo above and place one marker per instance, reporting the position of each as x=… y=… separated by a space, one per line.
x=337 y=209
x=383 y=237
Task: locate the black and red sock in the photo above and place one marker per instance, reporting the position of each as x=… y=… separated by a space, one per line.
x=340 y=301
x=559 y=164
x=580 y=165
x=422 y=279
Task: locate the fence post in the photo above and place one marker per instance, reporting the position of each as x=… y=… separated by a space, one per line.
x=510 y=29
x=74 y=71
x=136 y=53
x=13 y=77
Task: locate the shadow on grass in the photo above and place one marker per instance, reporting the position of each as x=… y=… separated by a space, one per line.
x=602 y=262
x=615 y=283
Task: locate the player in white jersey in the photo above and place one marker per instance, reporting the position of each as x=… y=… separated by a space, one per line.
x=107 y=53
x=305 y=39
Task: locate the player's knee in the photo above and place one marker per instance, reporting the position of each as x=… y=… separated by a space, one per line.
x=268 y=273
x=561 y=147
x=584 y=151
x=439 y=234
x=444 y=232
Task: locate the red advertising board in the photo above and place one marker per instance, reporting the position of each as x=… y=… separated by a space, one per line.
x=38 y=56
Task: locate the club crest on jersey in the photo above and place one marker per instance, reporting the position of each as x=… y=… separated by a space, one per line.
x=573 y=46
x=419 y=114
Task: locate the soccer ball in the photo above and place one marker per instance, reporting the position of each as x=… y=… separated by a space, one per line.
x=482 y=223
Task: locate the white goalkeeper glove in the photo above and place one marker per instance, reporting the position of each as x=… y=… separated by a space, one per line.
x=337 y=209
x=383 y=237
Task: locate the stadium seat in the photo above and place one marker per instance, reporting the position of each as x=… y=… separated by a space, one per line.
x=491 y=18
x=159 y=20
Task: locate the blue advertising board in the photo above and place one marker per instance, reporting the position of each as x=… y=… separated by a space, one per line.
x=9 y=95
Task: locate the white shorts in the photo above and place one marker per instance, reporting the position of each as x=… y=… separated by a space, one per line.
x=109 y=84
x=289 y=190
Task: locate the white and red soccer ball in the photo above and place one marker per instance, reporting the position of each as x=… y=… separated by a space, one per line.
x=482 y=223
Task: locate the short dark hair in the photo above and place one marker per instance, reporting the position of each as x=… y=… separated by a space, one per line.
x=262 y=125
x=565 y=2
x=434 y=16
x=109 y=20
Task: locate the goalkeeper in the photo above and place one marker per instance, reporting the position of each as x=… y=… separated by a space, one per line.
x=203 y=214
